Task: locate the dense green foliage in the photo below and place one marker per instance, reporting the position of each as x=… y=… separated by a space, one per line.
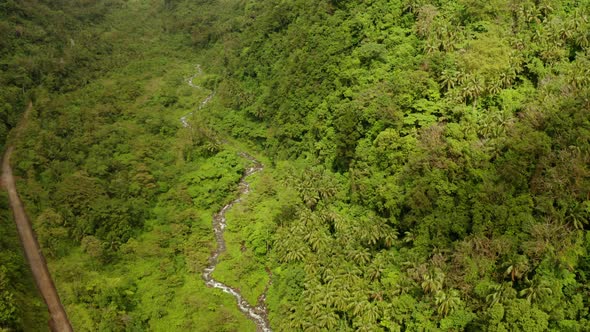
x=41 y=44
x=121 y=196
x=47 y=43
x=20 y=306
x=427 y=163
x=444 y=150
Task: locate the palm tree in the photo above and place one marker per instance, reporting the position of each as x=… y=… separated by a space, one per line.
x=311 y=324
x=433 y=282
x=312 y=265
x=416 y=270
x=409 y=237
x=341 y=225
x=461 y=77
x=349 y=277
x=473 y=89
x=448 y=79
x=373 y=231
x=340 y=299
x=412 y=6
x=447 y=303
x=528 y=13
x=578 y=214
x=583 y=39
x=314 y=184
x=449 y=35
x=494 y=87
x=299 y=227
x=328 y=275
x=357 y=304
x=318 y=240
x=361 y=256
x=516 y=267
x=368 y=327
x=500 y=293
x=404 y=286
x=578 y=21
x=315 y=307
x=372 y=312
x=375 y=270
x=389 y=236
x=564 y=30
x=507 y=77
x=431 y=46
x=296 y=252
x=536 y=291
x=296 y=318
x=370 y=233
x=328 y=320
x=545 y=8
x=307 y=193
x=290 y=247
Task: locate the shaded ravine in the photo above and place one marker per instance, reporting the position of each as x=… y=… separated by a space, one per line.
x=58 y=318
x=258 y=313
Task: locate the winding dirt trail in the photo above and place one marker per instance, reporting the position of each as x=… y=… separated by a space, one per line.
x=58 y=318
x=259 y=313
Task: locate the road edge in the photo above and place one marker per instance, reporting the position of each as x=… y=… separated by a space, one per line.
x=58 y=320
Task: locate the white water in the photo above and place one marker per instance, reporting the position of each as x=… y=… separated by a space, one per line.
x=183 y=119
x=257 y=313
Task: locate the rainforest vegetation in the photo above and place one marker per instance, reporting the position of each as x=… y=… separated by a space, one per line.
x=427 y=162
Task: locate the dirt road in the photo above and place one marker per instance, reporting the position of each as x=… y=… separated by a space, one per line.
x=58 y=317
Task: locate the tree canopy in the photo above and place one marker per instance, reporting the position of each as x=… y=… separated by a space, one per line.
x=427 y=161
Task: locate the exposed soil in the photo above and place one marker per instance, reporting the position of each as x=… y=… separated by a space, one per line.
x=58 y=320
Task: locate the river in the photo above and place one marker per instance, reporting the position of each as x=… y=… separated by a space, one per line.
x=259 y=313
